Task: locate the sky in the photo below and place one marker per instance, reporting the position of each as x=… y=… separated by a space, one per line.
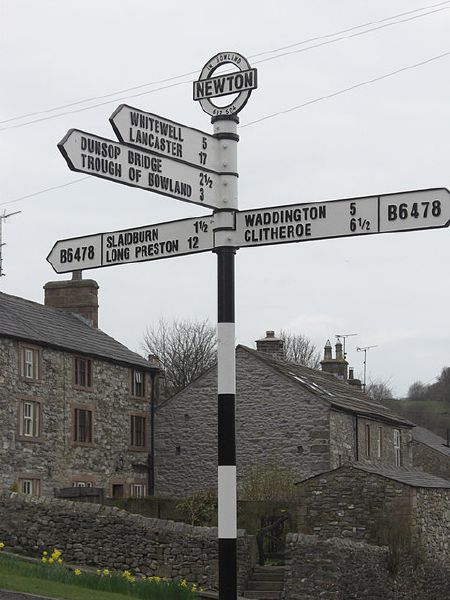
x=71 y=64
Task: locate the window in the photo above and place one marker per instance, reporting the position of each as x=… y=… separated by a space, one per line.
x=138 y=490
x=380 y=442
x=29 y=362
x=30 y=486
x=82 y=484
x=367 y=440
x=29 y=418
x=137 y=431
x=137 y=383
x=82 y=431
x=397 y=448
x=83 y=372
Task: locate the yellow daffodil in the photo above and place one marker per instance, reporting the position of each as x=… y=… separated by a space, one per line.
x=60 y=561
x=193 y=588
x=2 y=545
x=106 y=572
x=99 y=572
x=43 y=559
x=44 y=553
x=51 y=560
x=183 y=583
x=77 y=572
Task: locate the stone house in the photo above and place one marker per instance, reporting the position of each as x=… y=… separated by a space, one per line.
x=287 y=416
x=431 y=453
x=369 y=502
x=75 y=404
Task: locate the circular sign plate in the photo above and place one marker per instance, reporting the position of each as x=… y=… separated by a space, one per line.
x=240 y=82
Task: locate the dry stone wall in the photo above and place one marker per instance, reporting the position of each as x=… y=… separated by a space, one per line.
x=338 y=569
x=101 y=536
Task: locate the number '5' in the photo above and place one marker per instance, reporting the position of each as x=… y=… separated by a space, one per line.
x=353 y=208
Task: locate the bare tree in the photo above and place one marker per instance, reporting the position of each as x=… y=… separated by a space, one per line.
x=186 y=349
x=300 y=349
x=379 y=390
x=417 y=391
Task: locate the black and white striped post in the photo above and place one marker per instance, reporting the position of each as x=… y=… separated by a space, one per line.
x=225 y=129
x=239 y=84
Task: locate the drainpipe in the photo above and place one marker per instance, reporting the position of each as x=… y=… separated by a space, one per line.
x=356 y=439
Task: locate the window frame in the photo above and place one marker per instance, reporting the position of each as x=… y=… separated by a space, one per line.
x=75 y=410
x=34 y=481
x=398 y=447
x=35 y=419
x=368 y=441
x=35 y=362
x=132 y=384
x=380 y=442
x=138 y=484
x=77 y=361
x=132 y=435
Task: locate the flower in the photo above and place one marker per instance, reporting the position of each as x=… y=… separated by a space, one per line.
x=2 y=545
x=106 y=572
x=77 y=572
x=183 y=583
x=45 y=553
x=43 y=559
x=51 y=560
x=56 y=554
x=193 y=588
x=99 y=572
x=60 y=561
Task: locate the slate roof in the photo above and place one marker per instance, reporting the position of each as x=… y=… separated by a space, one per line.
x=420 y=434
x=339 y=394
x=32 y=322
x=404 y=475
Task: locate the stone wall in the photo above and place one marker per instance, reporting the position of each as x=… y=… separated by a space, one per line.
x=431 y=519
x=53 y=458
x=278 y=423
x=430 y=461
x=350 y=503
x=94 y=535
x=338 y=569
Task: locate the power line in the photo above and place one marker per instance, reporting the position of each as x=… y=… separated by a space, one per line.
x=323 y=37
x=273 y=115
x=347 y=89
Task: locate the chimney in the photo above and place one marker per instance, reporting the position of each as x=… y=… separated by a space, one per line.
x=271 y=346
x=337 y=366
x=352 y=381
x=78 y=295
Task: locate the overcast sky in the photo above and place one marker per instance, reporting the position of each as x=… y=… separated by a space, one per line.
x=388 y=136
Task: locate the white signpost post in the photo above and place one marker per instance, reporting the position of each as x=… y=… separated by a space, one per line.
x=162 y=156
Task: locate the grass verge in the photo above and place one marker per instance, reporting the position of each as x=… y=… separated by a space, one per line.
x=61 y=582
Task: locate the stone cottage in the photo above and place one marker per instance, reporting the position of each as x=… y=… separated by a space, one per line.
x=75 y=404
x=431 y=453
x=375 y=502
x=287 y=416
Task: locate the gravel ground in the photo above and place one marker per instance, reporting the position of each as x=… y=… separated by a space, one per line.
x=7 y=595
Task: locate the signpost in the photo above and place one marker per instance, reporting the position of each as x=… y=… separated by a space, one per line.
x=104 y=158
x=167 y=138
x=140 y=244
x=406 y=211
x=162 y=156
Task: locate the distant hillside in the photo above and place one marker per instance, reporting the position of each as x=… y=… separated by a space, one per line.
x=431 y=414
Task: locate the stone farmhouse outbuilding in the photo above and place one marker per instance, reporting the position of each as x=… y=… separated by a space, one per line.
x=75 y=404
x=287 y=416
x=431 y=453
x=364 y=502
